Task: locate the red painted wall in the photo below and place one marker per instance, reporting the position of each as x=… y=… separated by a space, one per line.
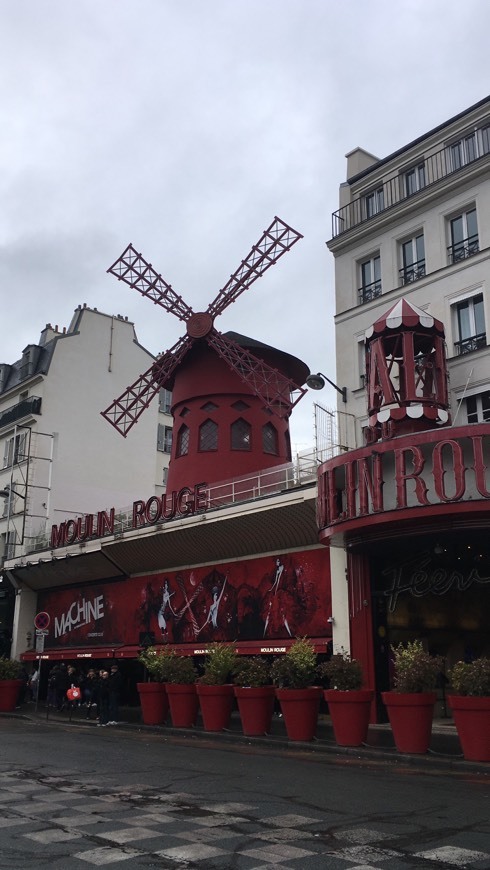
x=204 y=377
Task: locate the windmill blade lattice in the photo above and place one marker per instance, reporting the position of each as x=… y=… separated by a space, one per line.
x=273 y=388
x=275 y=241
x=267 y=383
x=125 y=411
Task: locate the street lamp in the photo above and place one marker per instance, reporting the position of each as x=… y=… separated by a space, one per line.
x=317 y=382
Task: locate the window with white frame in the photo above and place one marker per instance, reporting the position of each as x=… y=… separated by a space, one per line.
x=164 y=401
x=414 y=179
x=466 y=149
x=478 y=408
x=463 y=234
x=412 y=254
x=374 y=202
x=15 y=450
x=164 y=438
x=469 y=324
x=370 y=275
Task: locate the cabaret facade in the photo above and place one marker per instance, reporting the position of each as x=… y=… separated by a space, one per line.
x=406 y=506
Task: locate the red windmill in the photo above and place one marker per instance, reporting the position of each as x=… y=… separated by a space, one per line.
x=258 y=383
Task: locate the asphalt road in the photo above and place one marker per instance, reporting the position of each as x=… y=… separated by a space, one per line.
x=77 y=798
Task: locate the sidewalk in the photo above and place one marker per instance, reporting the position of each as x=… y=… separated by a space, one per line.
x=444 y=753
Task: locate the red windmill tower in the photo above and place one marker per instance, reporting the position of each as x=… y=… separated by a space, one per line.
x=231 y=395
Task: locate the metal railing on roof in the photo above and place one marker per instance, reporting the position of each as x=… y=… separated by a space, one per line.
x=395 y=189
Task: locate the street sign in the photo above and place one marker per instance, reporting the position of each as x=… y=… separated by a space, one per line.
x=40 y=642
x=42 y=632
x=42 y=619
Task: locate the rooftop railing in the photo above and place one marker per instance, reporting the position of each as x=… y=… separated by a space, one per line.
x=391 y=191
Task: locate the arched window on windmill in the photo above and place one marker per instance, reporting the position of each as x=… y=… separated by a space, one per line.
x=241 y=435
x=269 y=439
x=208 y=436
x=183 y=441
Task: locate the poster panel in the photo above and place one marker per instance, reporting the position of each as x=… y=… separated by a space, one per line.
x=273 y=597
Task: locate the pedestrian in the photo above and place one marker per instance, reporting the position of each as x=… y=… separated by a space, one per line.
x=103 y=691
x=91 y=694
x=34 y=684
x=115 y=689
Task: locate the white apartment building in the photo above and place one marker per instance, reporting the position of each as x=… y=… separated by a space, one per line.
x=416 y=224
x=406 y=508
x=59 y=457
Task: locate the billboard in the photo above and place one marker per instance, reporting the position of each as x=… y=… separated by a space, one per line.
x=272 y=597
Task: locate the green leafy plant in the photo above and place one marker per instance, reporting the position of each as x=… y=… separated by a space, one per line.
x=219 y=664
x=471 y=678
x=182 y=671
x=341 y=672
x=10 y=669
x=252 y=671
x=415 y=669
x=297 y=668
x=158 y=663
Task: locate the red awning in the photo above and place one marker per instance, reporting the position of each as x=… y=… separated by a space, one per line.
x=404 y=313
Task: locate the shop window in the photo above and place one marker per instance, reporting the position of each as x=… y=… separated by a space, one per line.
x=478 y=408
x=183 y=441
x=241 y=435
x=208 y=436
x=270 y=442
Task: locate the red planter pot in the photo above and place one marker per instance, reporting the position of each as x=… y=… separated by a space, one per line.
x=410 y=719
x=216 y=705
x=184 y=704
x=349 y=712
x=300 y=710
x=472 y=720
x=154 y=703
x=9 y=695
x=256 y=706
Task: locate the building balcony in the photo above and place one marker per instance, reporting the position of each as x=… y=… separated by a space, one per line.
x=25 y=408
x=369 y=292
x=412 y=273
x=395 y=189
x=463 y=249
x=467 y=345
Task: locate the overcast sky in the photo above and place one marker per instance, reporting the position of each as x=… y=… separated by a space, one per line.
x=184 y=126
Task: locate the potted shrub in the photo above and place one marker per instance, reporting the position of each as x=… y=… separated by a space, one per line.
x=10 y=684
x=255 y=694
x=471 y=707
x=294 y=676
x=181 y=691
x=348 y=703
x=153 y=697
x=214 y=687
x=411 y=705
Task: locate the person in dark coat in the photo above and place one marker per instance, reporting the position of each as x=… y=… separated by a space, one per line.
x=103 y=691
x=91 y=694
x=61 y=686
x=115 y=689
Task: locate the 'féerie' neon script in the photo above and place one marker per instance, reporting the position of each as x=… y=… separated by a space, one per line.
x=418 y=579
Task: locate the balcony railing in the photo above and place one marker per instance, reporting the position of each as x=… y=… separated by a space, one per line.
x=26 y=408
x=369 y=292
x=412 y=273
x=394 y=190
x=463 y=249
x=467 y=345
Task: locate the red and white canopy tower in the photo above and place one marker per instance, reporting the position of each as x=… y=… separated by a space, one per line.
x=231 y=395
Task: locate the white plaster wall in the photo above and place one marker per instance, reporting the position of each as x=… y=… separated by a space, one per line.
x=340 y=600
